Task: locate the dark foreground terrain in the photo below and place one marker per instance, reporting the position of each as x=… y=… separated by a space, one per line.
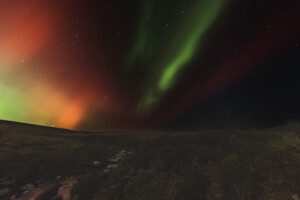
x=44 y=163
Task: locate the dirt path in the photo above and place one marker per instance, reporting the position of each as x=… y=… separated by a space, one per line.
x=65 y=190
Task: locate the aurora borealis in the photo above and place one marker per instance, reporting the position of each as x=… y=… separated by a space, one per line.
x=147 y=63
x=180 y=48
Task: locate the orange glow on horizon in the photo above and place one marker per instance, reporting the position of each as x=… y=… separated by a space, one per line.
x=72 y=115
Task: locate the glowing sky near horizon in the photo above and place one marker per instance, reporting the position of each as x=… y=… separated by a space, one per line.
x=31 y=88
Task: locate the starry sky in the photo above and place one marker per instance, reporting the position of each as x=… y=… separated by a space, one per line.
x=150 y=64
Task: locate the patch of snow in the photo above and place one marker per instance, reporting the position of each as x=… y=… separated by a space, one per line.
x=111 y=166
x=96 y=163
x=27 y=187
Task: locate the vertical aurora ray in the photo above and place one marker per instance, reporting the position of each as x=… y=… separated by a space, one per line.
x=140 y=47
x=178 y=47
x=204 y=15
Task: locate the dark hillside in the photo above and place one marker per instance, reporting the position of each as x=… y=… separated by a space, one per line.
x=41 y=161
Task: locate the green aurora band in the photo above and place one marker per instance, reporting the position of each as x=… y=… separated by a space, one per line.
x=204 y=16
x=174 y=47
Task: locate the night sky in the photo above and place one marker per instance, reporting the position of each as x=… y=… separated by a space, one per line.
x=150 y=64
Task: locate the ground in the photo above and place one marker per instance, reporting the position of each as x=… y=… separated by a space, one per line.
x=47 y=163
